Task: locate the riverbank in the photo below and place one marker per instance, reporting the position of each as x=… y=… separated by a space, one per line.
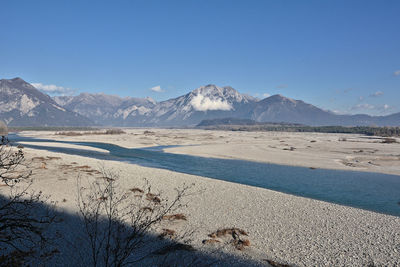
x=313 y=150
x=280 y=227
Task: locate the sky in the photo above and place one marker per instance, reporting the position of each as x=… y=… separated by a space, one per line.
x=343 y=56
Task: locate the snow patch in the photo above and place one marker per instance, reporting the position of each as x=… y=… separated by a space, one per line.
x=57 y=107
x=141 y=110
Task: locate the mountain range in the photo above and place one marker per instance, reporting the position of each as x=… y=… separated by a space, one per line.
x=21 y=104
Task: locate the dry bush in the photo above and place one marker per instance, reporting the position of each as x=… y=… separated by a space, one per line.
x=53 y=158
x=234 y=236
x=38 y=159
x=136 y=190
x=389 y=140
x=69 y=133
x=114 y=131
x=121 y=229
x=149 y=132
x=153 y=198
x=82 y=167
x=290 y=149
x=174 y=217
x=228 y=232
x=167 y=233
x=240 y=244
x=24 y=221
x=106 y=132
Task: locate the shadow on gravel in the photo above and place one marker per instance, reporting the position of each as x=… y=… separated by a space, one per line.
x=69 y=246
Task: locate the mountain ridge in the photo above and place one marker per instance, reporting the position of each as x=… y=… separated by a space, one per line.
x=21 y=103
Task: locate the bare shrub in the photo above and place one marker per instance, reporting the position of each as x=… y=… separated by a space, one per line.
x=147 y=132
x=234 y=236
x=24 y=219
x=69 y=133
x=136 y=190
x=106 y=132
x=120 y=228
x=389 y=140
x=175 y=217
x=114 y=131
x=210 y=241
x=167 y=233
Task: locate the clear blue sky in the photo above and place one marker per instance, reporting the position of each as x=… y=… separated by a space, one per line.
x=338 y=55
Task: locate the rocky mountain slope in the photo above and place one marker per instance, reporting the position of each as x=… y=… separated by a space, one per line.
x=21 y=104
x=206 y=102
x=105 y=109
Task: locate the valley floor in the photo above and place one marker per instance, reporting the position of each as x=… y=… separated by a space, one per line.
x=317 y=150
x=281 y=227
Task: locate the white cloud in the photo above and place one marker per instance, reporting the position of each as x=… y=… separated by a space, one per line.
x=396 y=73
x=376 y=94
x=201 y=103
x=386 y=107
x=157 y=89
x=361 y=98
x=53 y=89
x=266 y=95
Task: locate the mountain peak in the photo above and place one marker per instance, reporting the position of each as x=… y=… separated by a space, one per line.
x=214 y=89
x=14 y=80
x=17 y=79
x=280 y=98
x=151 y=100
x=229 y=88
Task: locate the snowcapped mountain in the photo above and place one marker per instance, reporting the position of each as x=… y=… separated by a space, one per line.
x=21 y=104
x=206 y=102
x=106 y=109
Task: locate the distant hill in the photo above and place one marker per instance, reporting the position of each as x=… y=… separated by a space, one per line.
x=21 y=104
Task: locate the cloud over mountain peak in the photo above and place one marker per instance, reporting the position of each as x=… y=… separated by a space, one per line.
x=204 y=103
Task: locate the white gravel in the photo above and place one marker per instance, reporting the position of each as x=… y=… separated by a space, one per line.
x=285 y=228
